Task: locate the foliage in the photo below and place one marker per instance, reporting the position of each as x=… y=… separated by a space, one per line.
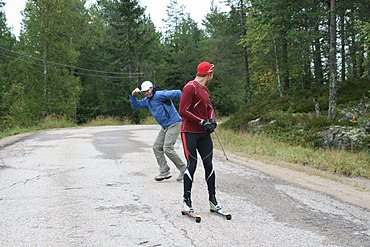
x=46 y=87
x=222 y=48
x=124 y=52
x=182 y=47
x=292 y=118
x=7 y=42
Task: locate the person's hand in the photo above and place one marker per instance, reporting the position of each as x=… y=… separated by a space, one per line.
x=207 y=126
x=135 y=91
x=213 y=122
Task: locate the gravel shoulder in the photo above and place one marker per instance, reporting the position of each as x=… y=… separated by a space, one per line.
x=355 y=191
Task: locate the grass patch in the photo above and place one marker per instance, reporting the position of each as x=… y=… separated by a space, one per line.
x=105 y=121
x=50 y=122
x=149 y=120
x=264 y=148
x=15 y=131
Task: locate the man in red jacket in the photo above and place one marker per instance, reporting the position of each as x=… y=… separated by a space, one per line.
x=198 y=122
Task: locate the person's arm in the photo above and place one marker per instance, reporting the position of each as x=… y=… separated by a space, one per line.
x=185 y=104
x=135 y=91
x=210 y=110
x=135 y=103
x=169 y=94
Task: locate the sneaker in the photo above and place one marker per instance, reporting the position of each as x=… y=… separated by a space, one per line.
x=163 y=175
x=214 y=205
x=181 y=176
x=187 y=205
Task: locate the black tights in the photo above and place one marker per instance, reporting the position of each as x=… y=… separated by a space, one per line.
x=203 y=143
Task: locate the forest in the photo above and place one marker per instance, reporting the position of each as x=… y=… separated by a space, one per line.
x=297 y=70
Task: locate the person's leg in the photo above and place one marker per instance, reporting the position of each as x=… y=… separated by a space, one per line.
x=205 y=149
x=171 y=135
x=159 y=155
x=189 y=142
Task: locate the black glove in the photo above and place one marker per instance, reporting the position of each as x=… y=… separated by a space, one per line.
x=207 y=126
x=213 y=122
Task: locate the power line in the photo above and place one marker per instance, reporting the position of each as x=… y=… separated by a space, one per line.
x=94 y=72
x=128 y=75
x=76 y=72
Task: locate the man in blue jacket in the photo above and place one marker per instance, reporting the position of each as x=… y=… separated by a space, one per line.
x=160 y=105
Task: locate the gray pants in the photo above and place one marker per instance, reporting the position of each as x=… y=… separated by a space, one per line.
x=164 y=144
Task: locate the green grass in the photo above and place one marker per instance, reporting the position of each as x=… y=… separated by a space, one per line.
x=104 y=121
x=47 y=123
x=149 y=120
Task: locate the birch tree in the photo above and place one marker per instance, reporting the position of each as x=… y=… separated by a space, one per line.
x=332 y=62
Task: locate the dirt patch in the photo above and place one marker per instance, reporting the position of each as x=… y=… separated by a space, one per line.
x=355 y=191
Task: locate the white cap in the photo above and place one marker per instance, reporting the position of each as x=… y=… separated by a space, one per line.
x=146 y=85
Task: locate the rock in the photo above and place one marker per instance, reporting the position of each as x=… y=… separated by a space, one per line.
x=345 y=138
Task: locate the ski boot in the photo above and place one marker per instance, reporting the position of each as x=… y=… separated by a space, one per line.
x=215 y=207
x=189 y=211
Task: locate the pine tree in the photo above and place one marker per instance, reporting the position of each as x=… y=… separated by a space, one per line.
x=222 y=47
x=182 y=44
x=8 y=92
x=128 y=52
x=53 y=33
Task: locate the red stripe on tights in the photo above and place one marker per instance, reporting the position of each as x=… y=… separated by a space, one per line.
x=186 y=151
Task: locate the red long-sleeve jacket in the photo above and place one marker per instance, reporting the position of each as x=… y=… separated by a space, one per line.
x=195 y=106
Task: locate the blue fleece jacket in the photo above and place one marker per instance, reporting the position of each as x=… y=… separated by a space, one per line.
x=160 y=106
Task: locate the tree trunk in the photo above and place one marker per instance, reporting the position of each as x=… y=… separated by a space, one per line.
x=353 y=55
x=319 y=76
x=245 y=53
x=284 y=46
x=277 y=71
x=246 y=73
x=343 y=47
x=332 y=62
x=353 y=45
x=361 y=59
x=316 y=106
x=45 y=95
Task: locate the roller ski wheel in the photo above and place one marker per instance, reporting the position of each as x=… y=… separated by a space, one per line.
x=192 y=215
x=221 y=213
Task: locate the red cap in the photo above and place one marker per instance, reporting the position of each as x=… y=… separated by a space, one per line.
x=205 y=68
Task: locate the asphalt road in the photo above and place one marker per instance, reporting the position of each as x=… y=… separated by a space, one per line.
x=95 y=186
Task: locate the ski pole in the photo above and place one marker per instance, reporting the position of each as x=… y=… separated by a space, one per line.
x=219 y=141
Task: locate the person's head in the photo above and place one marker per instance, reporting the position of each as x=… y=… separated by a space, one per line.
x=146 y=88
x=205 y=70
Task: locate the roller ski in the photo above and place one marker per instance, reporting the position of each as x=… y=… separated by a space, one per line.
x=216 y=208
x=189 y=211
x=192 y=215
